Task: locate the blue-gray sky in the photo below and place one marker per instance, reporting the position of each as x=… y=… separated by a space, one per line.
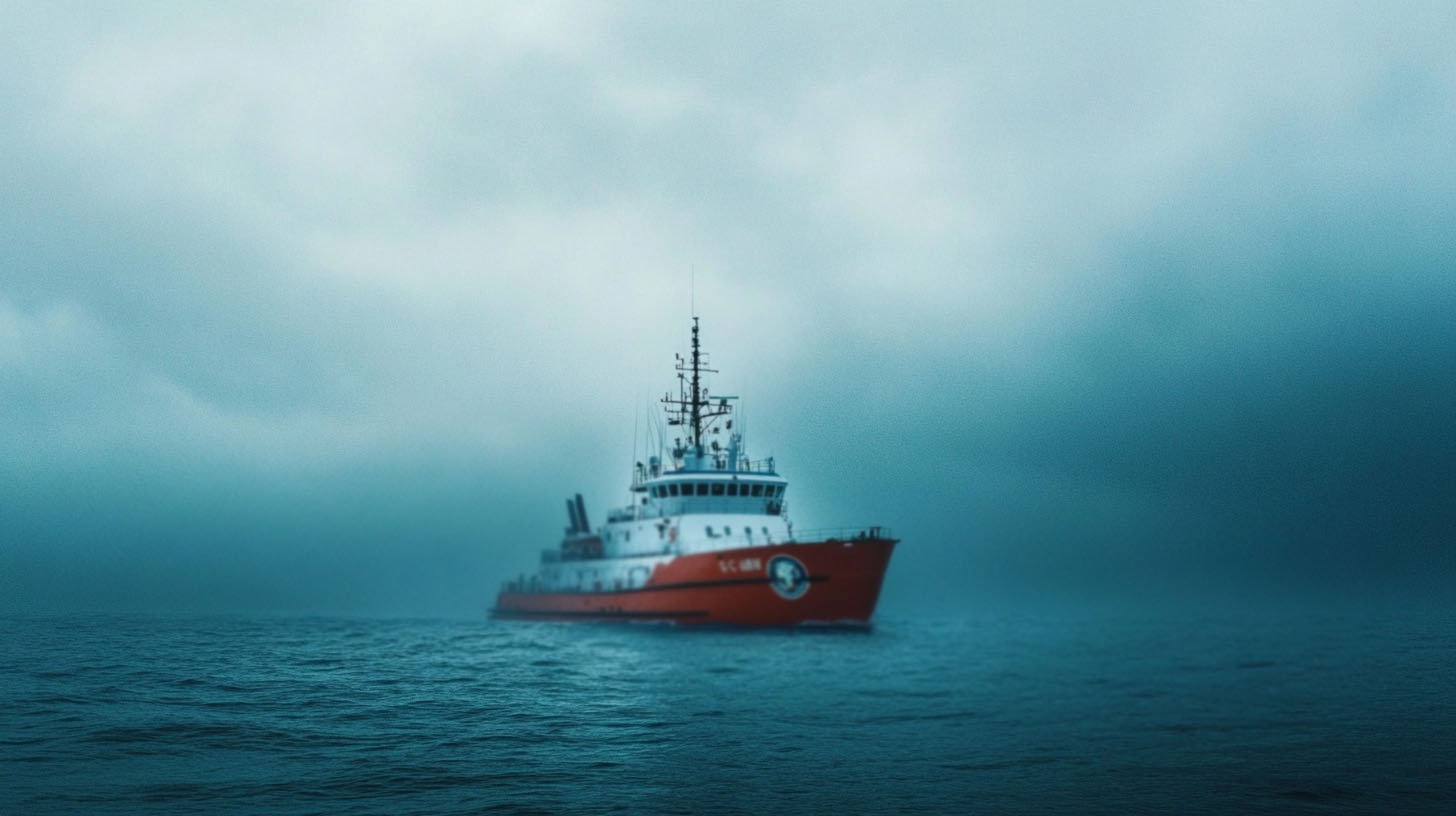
x=325 y=307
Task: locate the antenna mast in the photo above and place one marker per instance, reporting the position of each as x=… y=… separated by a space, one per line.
x=697 y=394
x=693 y=406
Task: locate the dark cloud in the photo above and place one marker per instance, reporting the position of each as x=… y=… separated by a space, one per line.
x=1151 y=306
x=1256 y=397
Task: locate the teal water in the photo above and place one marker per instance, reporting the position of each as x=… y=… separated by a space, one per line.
x=1169 y=714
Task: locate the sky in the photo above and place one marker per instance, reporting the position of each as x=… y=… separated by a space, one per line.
x=324 y=308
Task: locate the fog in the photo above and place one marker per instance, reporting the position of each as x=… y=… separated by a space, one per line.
x=326 y=310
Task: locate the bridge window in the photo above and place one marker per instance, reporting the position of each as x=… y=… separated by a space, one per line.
x=733 y=489
x=717 y=488
x=672 y=489
x=757 y=489
x=702 y=488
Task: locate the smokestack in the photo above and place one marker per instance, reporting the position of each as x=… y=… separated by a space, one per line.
x=571 y=514
x=581 y=515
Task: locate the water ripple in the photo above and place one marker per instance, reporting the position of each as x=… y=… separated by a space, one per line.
x=317 y=715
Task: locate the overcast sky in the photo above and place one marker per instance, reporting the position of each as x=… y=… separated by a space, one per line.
x=326 y=307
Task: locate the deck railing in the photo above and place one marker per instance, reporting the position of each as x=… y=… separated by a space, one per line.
x=641 y=477
x=674 y=506
x=841 y=534
x=864 y=533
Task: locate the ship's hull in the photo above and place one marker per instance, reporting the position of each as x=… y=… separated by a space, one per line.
x=832 y=581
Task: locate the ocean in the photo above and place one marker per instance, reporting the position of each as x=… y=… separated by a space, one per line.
x=1289 y=713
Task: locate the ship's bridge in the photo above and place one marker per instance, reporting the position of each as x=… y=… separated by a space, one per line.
x=684 y=492
x=696 y=475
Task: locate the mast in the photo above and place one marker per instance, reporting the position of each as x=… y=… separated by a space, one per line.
x=697 y=402
x=694 y=406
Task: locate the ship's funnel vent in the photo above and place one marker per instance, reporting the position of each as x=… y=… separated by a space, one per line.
x=581 y=515
x=571 y=515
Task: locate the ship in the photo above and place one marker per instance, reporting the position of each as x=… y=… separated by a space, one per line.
x=706 y=538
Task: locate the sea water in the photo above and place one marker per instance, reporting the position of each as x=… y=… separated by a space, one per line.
x=977 y=714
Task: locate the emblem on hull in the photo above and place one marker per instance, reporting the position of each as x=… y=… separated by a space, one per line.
x=787 y=576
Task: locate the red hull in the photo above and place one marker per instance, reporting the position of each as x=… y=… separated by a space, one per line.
x=822 y=582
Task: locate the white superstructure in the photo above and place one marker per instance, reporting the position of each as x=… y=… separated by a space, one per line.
x=705 y=497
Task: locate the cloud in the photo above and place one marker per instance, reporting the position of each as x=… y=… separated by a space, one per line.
x=1170 y=285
